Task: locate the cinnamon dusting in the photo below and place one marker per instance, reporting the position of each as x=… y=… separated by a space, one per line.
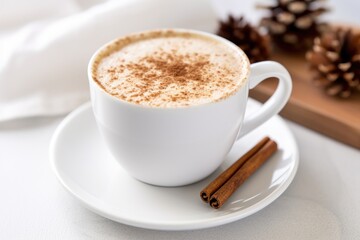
x=169 y=72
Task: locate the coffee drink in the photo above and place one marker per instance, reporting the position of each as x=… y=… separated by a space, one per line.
x=170 y=104
x=169 y=69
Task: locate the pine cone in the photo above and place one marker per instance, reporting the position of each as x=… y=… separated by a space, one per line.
x=247 y=37
x=293 y=24
x=335 y=58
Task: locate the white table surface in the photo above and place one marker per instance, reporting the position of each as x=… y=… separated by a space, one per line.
x=323 y=202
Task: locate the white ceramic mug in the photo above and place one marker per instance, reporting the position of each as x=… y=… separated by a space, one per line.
x=179 y=146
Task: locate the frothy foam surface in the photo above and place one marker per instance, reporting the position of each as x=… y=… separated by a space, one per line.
x=169 y=69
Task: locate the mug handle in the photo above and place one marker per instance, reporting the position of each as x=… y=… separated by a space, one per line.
x=259 y=72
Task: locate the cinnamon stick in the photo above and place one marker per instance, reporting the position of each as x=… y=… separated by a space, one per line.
x=244 y=172
x=209 y=190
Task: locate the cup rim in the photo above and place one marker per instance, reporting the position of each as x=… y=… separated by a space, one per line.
x=217 y=38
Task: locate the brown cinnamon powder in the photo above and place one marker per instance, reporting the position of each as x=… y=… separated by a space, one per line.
x=169 y=72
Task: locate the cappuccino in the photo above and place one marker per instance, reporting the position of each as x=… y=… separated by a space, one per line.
x=169 y=69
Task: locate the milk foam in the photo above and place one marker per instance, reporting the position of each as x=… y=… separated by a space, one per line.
x=170 y=69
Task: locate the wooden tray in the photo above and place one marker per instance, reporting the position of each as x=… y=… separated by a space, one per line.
x=311 y=107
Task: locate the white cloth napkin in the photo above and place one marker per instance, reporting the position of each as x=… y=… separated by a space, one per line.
x=45 y=45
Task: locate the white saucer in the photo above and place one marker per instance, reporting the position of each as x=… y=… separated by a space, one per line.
x=86 y=169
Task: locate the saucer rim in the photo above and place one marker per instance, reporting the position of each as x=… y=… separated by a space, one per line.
x=180 y=225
